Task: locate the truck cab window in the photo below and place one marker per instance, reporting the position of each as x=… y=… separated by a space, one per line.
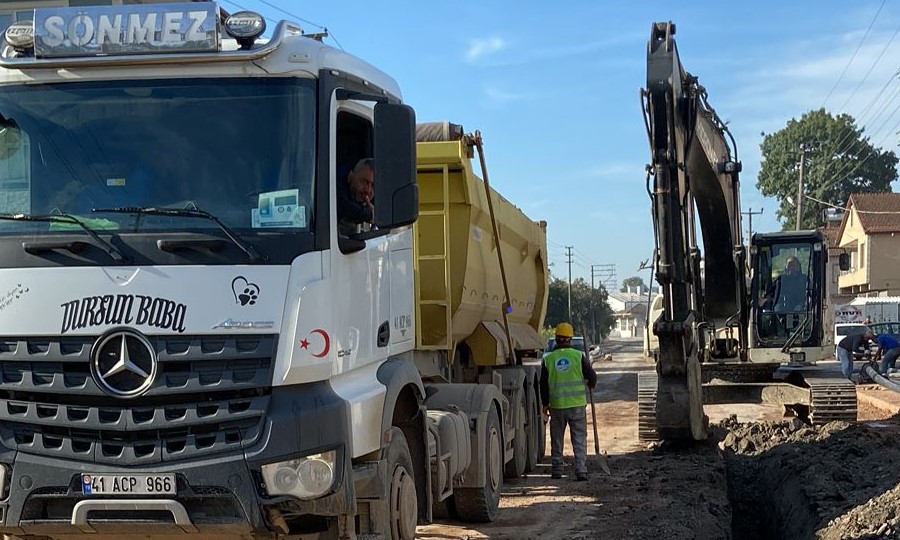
x=354 y=173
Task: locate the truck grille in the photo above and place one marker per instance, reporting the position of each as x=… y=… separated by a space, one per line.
x=210 y=395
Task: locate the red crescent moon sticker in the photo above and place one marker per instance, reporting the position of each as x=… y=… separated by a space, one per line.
x=327 y=346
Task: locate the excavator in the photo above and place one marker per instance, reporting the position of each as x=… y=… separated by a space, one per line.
x=740 y=323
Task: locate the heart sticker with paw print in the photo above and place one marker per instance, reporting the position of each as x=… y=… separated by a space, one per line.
x=245 y=293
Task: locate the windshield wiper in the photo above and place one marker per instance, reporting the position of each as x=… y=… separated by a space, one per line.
x=112 y=250
x=194 y=213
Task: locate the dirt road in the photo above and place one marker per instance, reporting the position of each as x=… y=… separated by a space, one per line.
x=673 y=493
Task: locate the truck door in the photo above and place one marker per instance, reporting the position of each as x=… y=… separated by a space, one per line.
x=362 y=270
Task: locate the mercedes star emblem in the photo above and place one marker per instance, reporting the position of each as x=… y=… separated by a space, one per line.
x=123 y=363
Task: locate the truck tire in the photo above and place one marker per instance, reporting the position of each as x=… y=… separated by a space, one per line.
x=535 y=430
x=479 y=505
x=403 y=513
x=515 y=467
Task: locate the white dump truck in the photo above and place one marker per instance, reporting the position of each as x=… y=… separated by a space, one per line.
x=188 y=343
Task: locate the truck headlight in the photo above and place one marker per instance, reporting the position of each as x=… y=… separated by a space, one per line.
x=305 y=478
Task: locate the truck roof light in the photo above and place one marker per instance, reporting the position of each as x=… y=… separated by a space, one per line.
x=20 y=35
x=245 y=27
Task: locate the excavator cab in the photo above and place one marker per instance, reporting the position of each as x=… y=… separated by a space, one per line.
x=786 y=290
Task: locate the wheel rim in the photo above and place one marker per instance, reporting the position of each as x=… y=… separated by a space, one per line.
x=403 y=505
x=496 y=459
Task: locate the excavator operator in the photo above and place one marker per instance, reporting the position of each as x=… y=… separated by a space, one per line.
x=788 y=291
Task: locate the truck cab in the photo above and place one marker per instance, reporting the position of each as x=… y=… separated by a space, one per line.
x=194 y=345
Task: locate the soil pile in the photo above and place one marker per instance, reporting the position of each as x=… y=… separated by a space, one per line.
x=791 y=480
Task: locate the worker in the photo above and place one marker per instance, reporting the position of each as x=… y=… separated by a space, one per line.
x=888 y=351
x=355 y=207
x=848 y=346
x=788 y=291
x=564 y=373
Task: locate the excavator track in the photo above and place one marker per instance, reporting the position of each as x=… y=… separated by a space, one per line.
x=647 y=387
x=831 y=398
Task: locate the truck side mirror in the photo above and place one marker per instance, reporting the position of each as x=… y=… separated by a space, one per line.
x=396 y=189
x=844 y=261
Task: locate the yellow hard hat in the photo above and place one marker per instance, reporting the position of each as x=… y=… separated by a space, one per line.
x=564 y=329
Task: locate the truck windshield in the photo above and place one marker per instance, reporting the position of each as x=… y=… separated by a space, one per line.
x=785 y=292
x=240 y=149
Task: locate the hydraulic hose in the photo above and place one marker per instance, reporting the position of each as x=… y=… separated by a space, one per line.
x=872 y=372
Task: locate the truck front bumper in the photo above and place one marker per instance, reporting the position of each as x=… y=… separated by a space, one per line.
x=221 y=495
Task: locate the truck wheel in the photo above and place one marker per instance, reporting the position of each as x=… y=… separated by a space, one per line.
x=480 y=504
x=515 y=467
x=402 y=499
x=534 y=427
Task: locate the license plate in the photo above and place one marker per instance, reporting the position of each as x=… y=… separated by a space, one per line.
x=128 y=484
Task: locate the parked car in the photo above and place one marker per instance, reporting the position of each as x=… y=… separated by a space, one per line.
x=577 y=343
x=594 y=352
x=890 y=328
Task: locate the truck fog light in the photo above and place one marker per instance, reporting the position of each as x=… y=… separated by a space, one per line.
x=308 y=477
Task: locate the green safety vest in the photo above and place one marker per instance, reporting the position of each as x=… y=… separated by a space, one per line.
x=565 y=379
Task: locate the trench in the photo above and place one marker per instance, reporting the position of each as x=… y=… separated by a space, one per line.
x=834 y=482
x=767 y=501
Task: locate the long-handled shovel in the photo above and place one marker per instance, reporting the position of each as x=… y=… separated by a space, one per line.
x=604 y=463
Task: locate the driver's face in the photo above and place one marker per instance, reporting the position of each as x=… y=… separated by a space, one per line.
x=362 y=184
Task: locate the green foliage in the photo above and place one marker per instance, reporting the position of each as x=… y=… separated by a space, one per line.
x=840 y=160
x=633 y=281
x=557 y=308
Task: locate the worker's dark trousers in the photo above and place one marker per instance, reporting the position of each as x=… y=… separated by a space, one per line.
x=577 y=421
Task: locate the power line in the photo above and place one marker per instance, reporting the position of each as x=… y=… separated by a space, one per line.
x=849 y=169
x=750 y=213
x=293 y=16
x=243 y=8
x=829 y=149
x=847 y=208
x=851 y=135
x=858 y=47
x=583 y=256
x=289 y=14
x=872 y=67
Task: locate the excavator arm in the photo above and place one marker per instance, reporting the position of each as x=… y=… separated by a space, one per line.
x=695 y=182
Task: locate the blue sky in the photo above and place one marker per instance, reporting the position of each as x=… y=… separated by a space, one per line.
x=553 y=87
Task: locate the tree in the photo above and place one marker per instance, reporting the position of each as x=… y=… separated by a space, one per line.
x=557 y=308
x=840 y=160
x=634 y=281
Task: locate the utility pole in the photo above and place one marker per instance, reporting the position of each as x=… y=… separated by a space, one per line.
x=569 y=260
x=750 y=213
x=800 y=187
x=593 y=310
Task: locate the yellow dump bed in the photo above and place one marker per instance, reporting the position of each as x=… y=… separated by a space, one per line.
x=459 y=289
